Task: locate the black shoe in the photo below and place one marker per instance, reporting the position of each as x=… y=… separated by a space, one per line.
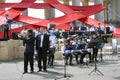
x=39 y=70
x=25 y=72
x=51 y=64
x=70 y=64
x=32 y=72
x=66 y=63
x=81 y=62
x=90 y=61
x=45 y=70
x=78 y=63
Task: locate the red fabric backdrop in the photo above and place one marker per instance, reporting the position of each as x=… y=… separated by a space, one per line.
x=71 y=13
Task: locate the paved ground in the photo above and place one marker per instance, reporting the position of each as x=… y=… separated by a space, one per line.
x=13 y=71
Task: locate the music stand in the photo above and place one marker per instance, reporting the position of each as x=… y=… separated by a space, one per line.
x=95 y=69
x=78 y=33
x=71 y=33
x=65 y=71
x=81 y=46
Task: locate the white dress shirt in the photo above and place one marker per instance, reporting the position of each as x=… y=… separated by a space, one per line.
x=53 y=41
x=41 y=43
x=92 y=29
x=48 y=26
x=72 y=28
x=101 y=28
x=79 y=28
x=111 y=28
x=5 y=21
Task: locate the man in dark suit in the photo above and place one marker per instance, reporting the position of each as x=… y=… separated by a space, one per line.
x=42 y=47
x=29 y=51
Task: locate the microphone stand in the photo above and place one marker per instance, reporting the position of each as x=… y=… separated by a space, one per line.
x=65 y=71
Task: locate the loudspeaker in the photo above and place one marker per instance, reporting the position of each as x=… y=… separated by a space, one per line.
x=107 y=30
x=15 y=35
x=4 y=39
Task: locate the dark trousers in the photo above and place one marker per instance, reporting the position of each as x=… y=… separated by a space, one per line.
x=51 y=56
x=6 y=32
x=42 y=57
x=84 y=54
x=28 y=57
x=68 y=56
x=95 y=53
x=77 y=54
x=76 y=57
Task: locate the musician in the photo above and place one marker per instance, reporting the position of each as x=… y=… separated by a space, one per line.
x=96 y=42
x=66 y=51
x=86 y=50
x=72 y=27
x=83 y=28
x=76 y=51
x=100 y=29
x=92 y=29
x=53 y=41
x=6 y=26
x=42 y=47
x=29 y=50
